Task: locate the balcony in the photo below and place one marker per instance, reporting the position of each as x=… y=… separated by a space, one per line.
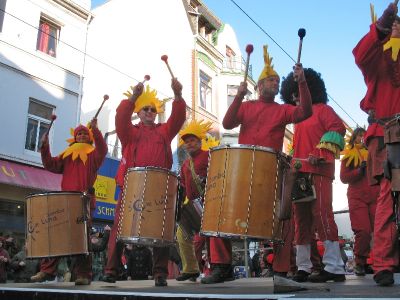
x=236 y=65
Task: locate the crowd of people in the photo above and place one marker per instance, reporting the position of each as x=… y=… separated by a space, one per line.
x=311 y=249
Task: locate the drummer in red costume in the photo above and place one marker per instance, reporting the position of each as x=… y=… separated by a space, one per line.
x=377 y=56
x=317 y=142
x=145 y=144
x=263 y=122
x=219 y=250
x=79 y=164
x=361 y=196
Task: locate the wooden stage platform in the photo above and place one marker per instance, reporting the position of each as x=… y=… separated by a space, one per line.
x=251 y=288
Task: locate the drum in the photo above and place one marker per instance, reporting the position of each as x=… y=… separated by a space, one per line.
x=147 y=213
x=242 y=192
x=56 y=224
x=190 y=220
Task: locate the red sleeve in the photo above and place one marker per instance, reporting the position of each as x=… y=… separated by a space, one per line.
x=52 y=164
x=331 y=121
x=101 y=147
x=304 y=110
x=232 y=117
x=349 y=175
x=177 y=118
x=123 y=121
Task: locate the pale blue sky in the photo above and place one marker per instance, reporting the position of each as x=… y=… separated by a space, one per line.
x=333 y=29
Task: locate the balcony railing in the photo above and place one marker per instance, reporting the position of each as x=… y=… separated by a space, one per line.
x=236 y=65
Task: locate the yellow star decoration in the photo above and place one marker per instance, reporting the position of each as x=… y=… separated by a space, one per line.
x=357 y=155
x=209 y=142
x=147 y=98
x=80 y=150
x=196 y=128
x=268 y=66
x=393 y=43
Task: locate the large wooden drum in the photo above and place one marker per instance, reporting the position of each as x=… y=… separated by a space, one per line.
x=242 y=191
x=148 y=207
x=56 y=224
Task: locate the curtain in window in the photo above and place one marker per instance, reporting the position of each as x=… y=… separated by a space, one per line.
x=44 y=37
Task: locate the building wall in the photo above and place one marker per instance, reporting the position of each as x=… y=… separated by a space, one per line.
x=26 y=72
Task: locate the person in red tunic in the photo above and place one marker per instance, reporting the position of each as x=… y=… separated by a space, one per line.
x=317 y=142
x=78 y=165
x=263 y=122
x=144 y=144
x=376 y=54
x=361 y=196
x=191 y=246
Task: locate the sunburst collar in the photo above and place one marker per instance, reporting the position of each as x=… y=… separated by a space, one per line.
x=355 y=155
x=80 y=150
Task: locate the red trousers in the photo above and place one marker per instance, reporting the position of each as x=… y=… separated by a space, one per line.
x=316 y=215
x=385 y=249
x=219 y=250
x=362 y=206
x=160 y=254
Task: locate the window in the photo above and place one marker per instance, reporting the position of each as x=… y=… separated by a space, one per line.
x=205 y=91
x=47 y=37
x=230 y=58
x=232 y=91
x=2 y=12
x=39 y=116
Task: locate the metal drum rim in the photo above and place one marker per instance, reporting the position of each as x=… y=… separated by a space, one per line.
x=54 y=193
x=244 y=146
x=147 y=241
x=151 y=168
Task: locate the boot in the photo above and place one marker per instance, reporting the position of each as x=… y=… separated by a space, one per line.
x=384 y=278
x=186 y=276
x=218 y=274
x=82 y=281
x=42 y=277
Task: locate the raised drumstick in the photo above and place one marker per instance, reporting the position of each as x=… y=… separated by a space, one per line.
x=165 y=59
x=146 y=78
x=249 y=50
x=302 y=34
x=105 y=98
x=53 y=117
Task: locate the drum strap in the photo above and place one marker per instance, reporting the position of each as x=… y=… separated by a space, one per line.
x=195 y=177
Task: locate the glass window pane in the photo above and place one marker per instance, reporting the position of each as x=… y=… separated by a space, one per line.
x=40 y=110
x=31 y=132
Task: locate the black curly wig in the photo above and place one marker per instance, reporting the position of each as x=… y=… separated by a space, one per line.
x=315 y=84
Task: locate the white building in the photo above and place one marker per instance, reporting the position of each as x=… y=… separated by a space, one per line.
x=42 y=46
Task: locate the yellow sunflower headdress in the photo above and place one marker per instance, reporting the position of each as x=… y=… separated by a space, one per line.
x=147 y=98
x=268 y=68
x=209 y=142
x=354 y=154
x=75 y=149
x=196 y=128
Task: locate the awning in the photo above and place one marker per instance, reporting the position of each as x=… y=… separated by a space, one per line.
x=27 y=176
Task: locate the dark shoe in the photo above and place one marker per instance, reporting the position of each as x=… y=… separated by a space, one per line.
x=186 y=276
x=109 y=278
x=325 y=276
x=384 y=278
x=82 y=281
x=359 y=270
x=42 y=277
x=301 y=276
x=219 y=273
x=160 y=281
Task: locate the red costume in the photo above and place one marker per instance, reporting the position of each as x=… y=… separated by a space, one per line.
x=381 y=74
x=362 y=205
x=144 y=146
x=318 y=214
x=220 y=250
x=77 y=177
x=263 y=123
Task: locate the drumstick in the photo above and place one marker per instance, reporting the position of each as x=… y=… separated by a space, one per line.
x=301 y=33
x=165 y=59
x=249 y=50
x=53 y=117
x=105 y=98
x=146 y=78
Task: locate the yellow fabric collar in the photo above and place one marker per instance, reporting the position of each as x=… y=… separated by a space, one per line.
x=393 y=43
x=80 y=150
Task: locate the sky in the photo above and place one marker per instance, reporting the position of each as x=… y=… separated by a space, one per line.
x=333 y=28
